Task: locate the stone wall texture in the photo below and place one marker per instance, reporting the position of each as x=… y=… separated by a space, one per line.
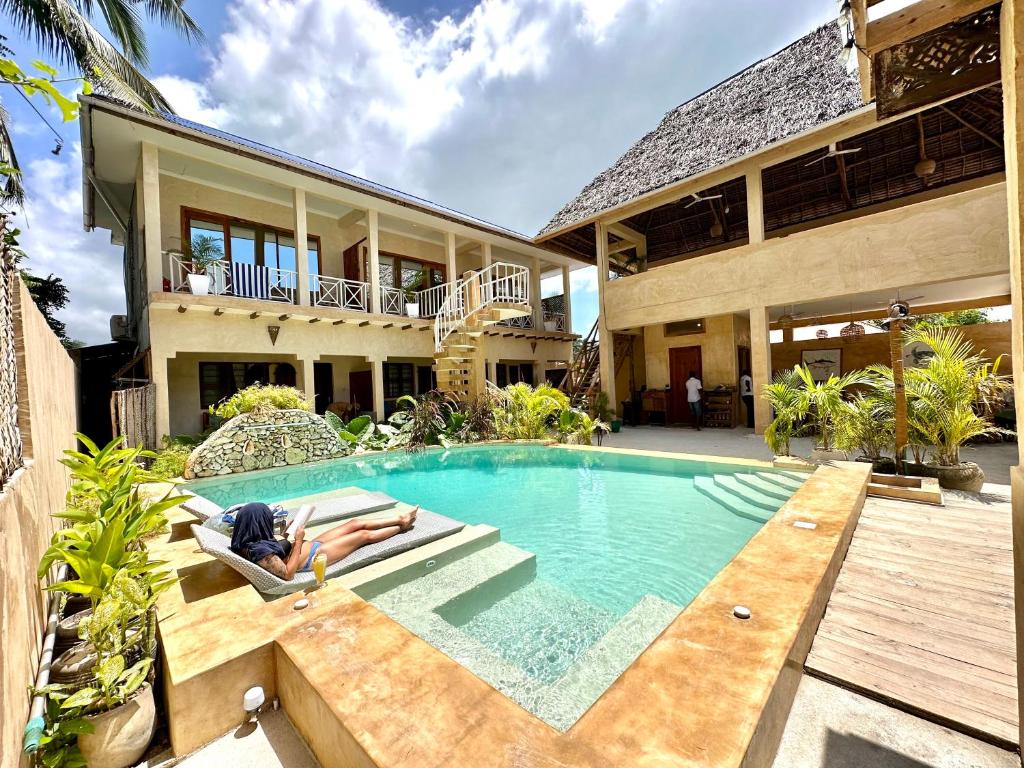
x=261 y=440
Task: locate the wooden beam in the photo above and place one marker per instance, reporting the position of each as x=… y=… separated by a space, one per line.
x=283 y=317
x=425 y=327
x=182 y=308
x=339 y=322
x=918 y=19
x=253 y=315
x=968 y=125
x=860 y=33
x=218 y=312
x=314 y=320
x=388 y=325
x=364 y=323
x=407 y=326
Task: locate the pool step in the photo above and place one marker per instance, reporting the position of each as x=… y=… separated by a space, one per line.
x=564 y=702
x=726 y=498
x=766 y=487
x=783 y=480
x=750 y=495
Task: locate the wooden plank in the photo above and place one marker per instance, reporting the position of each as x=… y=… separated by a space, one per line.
x=921 y=616
x=918 y=19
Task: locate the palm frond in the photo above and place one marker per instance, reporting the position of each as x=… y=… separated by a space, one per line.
x=13 y=191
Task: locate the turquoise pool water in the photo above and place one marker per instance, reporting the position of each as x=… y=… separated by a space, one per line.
x=594 y=540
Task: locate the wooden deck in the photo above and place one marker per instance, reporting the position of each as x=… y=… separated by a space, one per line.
x=922 y=614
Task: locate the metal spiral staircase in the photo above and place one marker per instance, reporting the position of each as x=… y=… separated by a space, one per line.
x=498 y=292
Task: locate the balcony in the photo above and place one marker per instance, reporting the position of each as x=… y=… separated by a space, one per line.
x=251 y=281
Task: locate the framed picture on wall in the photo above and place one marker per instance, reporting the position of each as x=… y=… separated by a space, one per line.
x=822 y=362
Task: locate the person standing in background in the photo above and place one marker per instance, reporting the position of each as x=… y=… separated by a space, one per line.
x=747 y=393
x=693 y=390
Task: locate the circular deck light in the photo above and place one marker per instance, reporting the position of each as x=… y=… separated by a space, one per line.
x=741 y=612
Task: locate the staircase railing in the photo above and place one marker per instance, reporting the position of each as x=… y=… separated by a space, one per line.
x=496 y=283
x=581 y=370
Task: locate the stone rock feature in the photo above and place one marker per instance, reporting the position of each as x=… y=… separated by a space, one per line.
x=261 y=440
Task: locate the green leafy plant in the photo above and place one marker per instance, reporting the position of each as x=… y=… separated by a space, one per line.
x=522 y=412
x=115 y=629
x=421 y=421
x=783 y=394
x=414 y=283
x=576 y=427
x=257 y=396
x=601 y=410
x=58 y=746
x=865 y=424
x=822 y=401
x=204 y=251
x=171 y=459
x=953 y=394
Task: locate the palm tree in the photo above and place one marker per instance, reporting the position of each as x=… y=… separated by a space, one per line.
x=64 y=30
x=783 y=394
x=823 y=401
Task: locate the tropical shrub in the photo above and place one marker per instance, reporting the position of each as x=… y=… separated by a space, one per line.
x=422 y=421
x=821 y=402
x=954 y=394
x=576 y=427
x=472 y=421
x=783 y=394
x=169 y=462
x=261 y=396
x=523 y=412
x=864 y=423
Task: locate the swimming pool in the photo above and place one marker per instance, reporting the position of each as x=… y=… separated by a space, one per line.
x=600 y=551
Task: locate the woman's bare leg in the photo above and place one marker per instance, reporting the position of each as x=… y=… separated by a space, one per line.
x=341 y=547
x=403 y=521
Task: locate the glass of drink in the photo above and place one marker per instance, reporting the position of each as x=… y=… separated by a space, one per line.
x=320 y=568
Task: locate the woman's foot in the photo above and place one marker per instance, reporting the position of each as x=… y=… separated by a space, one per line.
x=405 y=521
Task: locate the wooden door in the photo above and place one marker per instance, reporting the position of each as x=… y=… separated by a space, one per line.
x=323 y=386
x=681 y=360
x=360 y=384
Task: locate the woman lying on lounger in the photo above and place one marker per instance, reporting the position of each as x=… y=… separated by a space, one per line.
x=253 y=538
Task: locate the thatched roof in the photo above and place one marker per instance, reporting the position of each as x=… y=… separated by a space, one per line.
x=800 y=87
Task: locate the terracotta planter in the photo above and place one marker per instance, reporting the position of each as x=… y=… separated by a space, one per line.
x=122 y=735
x=967 y=476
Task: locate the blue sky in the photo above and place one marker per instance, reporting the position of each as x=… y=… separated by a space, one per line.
x=503 y=109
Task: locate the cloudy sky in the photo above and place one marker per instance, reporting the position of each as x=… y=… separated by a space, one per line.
x=502 y=109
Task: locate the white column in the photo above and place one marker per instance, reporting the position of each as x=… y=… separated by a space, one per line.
x=490 y=372
x=161 y=395
x=449 y=247
x=606 y=346
x=377 y=366
x=567 y=298
x=755 y=207
x=760 y=365
x=150 y=194
x=301 y=250
x=535 y=298
x=308 y=379
x=373 y=246
x=485 y=249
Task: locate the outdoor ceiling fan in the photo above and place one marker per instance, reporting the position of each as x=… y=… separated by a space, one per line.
x=787 y=318
x=833 y=151
x=698 y=198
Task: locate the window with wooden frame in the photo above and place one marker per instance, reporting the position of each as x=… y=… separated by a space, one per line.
x=398 y=271
x=248 y=242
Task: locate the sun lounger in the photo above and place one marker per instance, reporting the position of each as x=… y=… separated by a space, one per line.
x=428 y=527
x=327 y=510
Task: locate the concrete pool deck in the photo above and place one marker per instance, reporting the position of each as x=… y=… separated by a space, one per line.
x=711 y=690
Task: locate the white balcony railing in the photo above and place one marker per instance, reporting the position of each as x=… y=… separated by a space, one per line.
x=431 y=299
x=554 y=321
x=340 y=293
x=228 y=278
x=523 y=321
x=392 y=301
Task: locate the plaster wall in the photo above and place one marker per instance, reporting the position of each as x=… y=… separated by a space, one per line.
x=949 y=238
x=46 y=419
x=717 y=349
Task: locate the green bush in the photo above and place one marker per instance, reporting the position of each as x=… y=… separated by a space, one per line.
x=170 y=462
x=261 y=396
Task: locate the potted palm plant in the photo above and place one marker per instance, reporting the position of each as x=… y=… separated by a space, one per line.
x=822 y=402
x=203 y=252
x=604 y=413
x=864 y=424
x=412 y=304
x=951 y=400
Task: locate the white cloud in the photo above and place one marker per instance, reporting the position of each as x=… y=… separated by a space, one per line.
x=55 y=242
x=504 y=113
